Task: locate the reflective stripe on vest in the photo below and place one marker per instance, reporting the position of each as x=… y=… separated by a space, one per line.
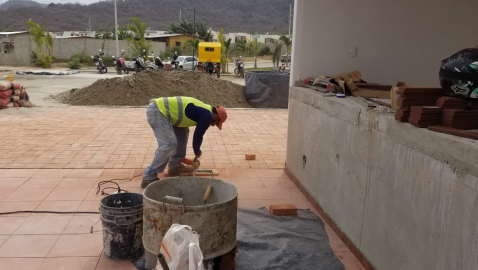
x=174 y=108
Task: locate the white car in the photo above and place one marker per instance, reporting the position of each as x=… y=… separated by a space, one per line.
x=185 y=62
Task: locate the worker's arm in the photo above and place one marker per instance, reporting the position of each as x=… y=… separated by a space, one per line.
x=203 y=119
x=203 y=123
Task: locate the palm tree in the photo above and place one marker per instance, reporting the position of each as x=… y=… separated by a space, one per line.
x=254 y=48
x=241 y=47
x=227 y=47
x=287 y=41
x=41 y=37
x=190 y=44
x=277 y=53
x=138 y=42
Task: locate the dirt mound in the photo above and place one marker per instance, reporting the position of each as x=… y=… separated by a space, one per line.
x=138 y=89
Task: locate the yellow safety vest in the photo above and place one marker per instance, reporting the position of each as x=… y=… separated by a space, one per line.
x=174 y=108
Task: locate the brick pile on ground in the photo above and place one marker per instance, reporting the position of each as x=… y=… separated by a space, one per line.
x=415 y=96
x=13 y=95
x=138 y=89
x=424 y=116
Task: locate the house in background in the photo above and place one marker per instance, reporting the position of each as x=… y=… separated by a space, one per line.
x=15 y=48
x=171 y=40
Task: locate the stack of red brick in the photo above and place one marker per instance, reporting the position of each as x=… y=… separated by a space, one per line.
x=415 y=96
x=425 y=116
x=460 y=119
x=449 y=115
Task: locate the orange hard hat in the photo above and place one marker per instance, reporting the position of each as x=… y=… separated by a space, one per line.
x=221 y=112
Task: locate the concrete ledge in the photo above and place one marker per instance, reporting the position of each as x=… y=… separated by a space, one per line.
x=404 y=197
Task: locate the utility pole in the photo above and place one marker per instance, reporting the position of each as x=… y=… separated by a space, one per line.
x=116 y=30
x=290 y=19
x=194 y=36
x=180 y=13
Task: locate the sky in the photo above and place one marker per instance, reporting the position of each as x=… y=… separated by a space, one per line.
x=61 y=1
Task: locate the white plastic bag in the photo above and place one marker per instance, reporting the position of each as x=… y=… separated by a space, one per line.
x=180 y=248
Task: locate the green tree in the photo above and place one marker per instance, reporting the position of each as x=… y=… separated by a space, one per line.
x=138 y=42
x=183 y=27
x=42 y=39
x=277 y=53
x=255 y=47
x=123 y=34
x=187 y=28
x=227 y=48
x=220 y=38
x=242 y=48
x=287 y=41
x=203 y=32
x=190 y=44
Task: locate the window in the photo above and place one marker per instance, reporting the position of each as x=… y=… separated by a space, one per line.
x=8 y=47
x=209 y=49
x=189 y=59
x=178 y=44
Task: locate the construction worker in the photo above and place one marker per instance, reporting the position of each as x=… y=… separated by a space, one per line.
x=170 y=119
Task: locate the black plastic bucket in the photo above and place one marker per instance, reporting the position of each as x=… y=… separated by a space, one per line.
x=122 y=217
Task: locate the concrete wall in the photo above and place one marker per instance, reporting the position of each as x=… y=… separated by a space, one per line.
x=401 y=40
x=21 y=53
x=406 y=197
x=65 y=48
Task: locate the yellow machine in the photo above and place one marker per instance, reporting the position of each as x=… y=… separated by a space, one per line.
x=209 y=57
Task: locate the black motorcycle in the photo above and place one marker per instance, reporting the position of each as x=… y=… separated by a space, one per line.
x=99 y=62
x=140 y=63
x=239 y=67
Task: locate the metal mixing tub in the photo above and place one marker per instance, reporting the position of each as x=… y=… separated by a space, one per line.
x=215 y=221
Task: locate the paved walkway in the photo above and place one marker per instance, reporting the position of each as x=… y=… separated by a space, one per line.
x=97 y=138
x=57 y=156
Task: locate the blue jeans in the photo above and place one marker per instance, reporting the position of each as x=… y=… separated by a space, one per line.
x=172 y=142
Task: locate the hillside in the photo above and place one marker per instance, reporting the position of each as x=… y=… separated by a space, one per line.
x=20 y=3
x=233 y=15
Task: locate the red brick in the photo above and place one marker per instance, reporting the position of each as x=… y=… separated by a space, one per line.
x=283 y=210
x=250 y=157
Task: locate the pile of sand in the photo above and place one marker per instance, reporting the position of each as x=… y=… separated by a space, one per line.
x=138 y=89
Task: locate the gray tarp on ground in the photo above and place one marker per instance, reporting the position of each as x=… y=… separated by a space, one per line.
x=47 y=72
x=267 y=89
x=267 y=242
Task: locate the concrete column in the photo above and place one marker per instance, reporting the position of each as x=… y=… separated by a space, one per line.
x=297 y=37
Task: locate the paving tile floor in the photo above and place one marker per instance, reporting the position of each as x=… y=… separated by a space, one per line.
x=55 y=158
x=106 y=138
x=53 y=241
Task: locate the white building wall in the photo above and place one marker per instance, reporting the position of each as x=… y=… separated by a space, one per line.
x=397 y=40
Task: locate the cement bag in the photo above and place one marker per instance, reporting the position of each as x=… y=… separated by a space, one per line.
x=181 y=250
x=4 y=101
x=6 y=93
x=10 y=105
x=26 y=104
x=5 y=86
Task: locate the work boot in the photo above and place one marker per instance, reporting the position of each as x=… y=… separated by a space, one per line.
x=181 y=169
x=146 y=183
